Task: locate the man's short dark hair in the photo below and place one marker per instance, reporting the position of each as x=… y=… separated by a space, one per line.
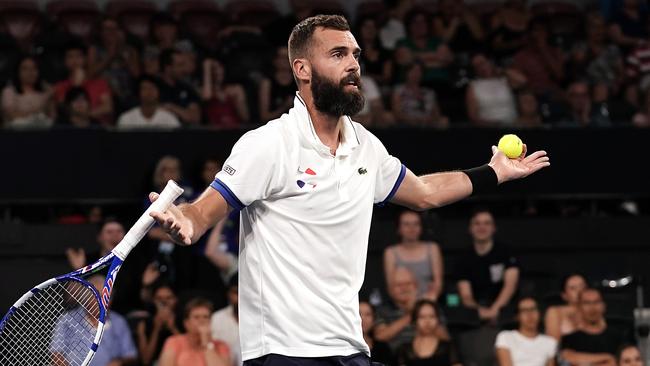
x=149 y=78
x=74 y=46
x=300 y=38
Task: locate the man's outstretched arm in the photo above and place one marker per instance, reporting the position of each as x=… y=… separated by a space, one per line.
x=440 y=189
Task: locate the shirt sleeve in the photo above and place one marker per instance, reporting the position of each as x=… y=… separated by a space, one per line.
x=502 y=340
x=252 y=171
x=390 y=173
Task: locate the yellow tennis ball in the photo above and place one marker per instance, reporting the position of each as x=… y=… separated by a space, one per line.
x=511 y=145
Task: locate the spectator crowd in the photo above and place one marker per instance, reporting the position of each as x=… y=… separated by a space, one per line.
x=435 y=64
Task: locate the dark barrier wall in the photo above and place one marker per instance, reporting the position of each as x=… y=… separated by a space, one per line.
x=98 y=164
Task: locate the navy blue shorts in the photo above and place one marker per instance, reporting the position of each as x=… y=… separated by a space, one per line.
x=357 y=359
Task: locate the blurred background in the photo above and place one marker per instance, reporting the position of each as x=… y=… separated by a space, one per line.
x=103 y=101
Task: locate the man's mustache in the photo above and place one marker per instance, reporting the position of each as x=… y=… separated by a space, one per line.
x=354 y=78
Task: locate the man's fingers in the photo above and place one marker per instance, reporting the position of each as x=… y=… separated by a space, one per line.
x=494 y=150
x=535 y=155
x=153 y=196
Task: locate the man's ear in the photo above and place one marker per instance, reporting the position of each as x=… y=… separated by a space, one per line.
x=302 y=69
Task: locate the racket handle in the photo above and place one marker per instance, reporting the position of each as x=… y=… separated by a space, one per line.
x=171 y=192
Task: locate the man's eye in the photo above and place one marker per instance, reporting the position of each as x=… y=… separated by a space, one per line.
x=338 y=54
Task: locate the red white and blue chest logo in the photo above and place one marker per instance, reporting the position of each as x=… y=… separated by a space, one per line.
x=306 y=181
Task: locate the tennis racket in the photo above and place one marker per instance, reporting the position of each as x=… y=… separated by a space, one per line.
x=61 y=321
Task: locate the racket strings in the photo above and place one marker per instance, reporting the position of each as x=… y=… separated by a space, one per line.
x=55 y=326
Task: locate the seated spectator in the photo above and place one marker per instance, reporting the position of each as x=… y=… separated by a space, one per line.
x=420 y=46
x=581 y=110
x=375 y=60
x=394 y=320
x=541 y=63
x=417 y=105
x=489 y=273
x=110 y=234
x=394 y=324
x=638 y=63
x=508 y=29
x=165 y=35
x=629 y=355
x=393 y=30
x=276 y=92
x=525 y=346
x=561 y=320
x=596 y=59
x=628 y=24
x=153 y=331
x=149 y=114
x=458 y=27
x=176 y=96
x=594 y=342
x=488 y=280
x=117 y=347
x=27 y=101
x=194 y=347
x=224 y=323
x=98 y=90
x=116 y=61
x=642 y=117
x=489 y=97
x=225 y=103
x=423 y=259
x=373 y=114
x=379 y=351
x=76 y=109
x=528 y=109
x=427 y=348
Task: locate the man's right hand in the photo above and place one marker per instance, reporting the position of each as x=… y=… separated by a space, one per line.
x=173 y=222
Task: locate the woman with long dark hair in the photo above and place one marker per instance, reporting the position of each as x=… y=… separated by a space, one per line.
x=27 y=99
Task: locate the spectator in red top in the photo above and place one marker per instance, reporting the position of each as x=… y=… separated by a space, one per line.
x=540 y=62
x=226 y=104
x=99 y=92
x=194 y=347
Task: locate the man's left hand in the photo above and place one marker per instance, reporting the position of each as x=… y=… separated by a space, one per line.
x=523 y=166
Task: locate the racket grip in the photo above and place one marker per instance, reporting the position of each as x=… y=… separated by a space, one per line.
x=166 y=198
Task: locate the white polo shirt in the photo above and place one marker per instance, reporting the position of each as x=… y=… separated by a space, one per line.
x=305 y=220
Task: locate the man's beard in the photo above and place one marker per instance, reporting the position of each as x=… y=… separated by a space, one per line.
x=332 y=99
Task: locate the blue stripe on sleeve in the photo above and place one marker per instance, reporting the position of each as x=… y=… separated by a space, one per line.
x=400 y=178
x=230 y=197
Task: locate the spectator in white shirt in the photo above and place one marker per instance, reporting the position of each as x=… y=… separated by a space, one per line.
x=525 y=346
x=149 y=113
x=224 y=324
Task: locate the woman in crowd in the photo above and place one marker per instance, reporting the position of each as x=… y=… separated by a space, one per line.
x=423 y=259
x=427 y=349
x=380 y=351
x=561 y=320
x=27 y=100
x=195 y=347
x=525 y=346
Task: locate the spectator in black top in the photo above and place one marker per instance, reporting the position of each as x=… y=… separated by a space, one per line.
x=459 y=27
x=176 y=96
x=594 y=342
x=380 y=351
x=582 y=111
x=276 y=92
x=427 y=348
x=628 y=24
x=489 y=274
x=161 y=323
x=375 y=60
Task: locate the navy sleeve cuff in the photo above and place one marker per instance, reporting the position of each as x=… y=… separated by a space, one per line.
x=227 y=194
x=400 y=178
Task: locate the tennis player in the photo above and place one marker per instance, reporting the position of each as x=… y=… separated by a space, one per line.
x=305 y=185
